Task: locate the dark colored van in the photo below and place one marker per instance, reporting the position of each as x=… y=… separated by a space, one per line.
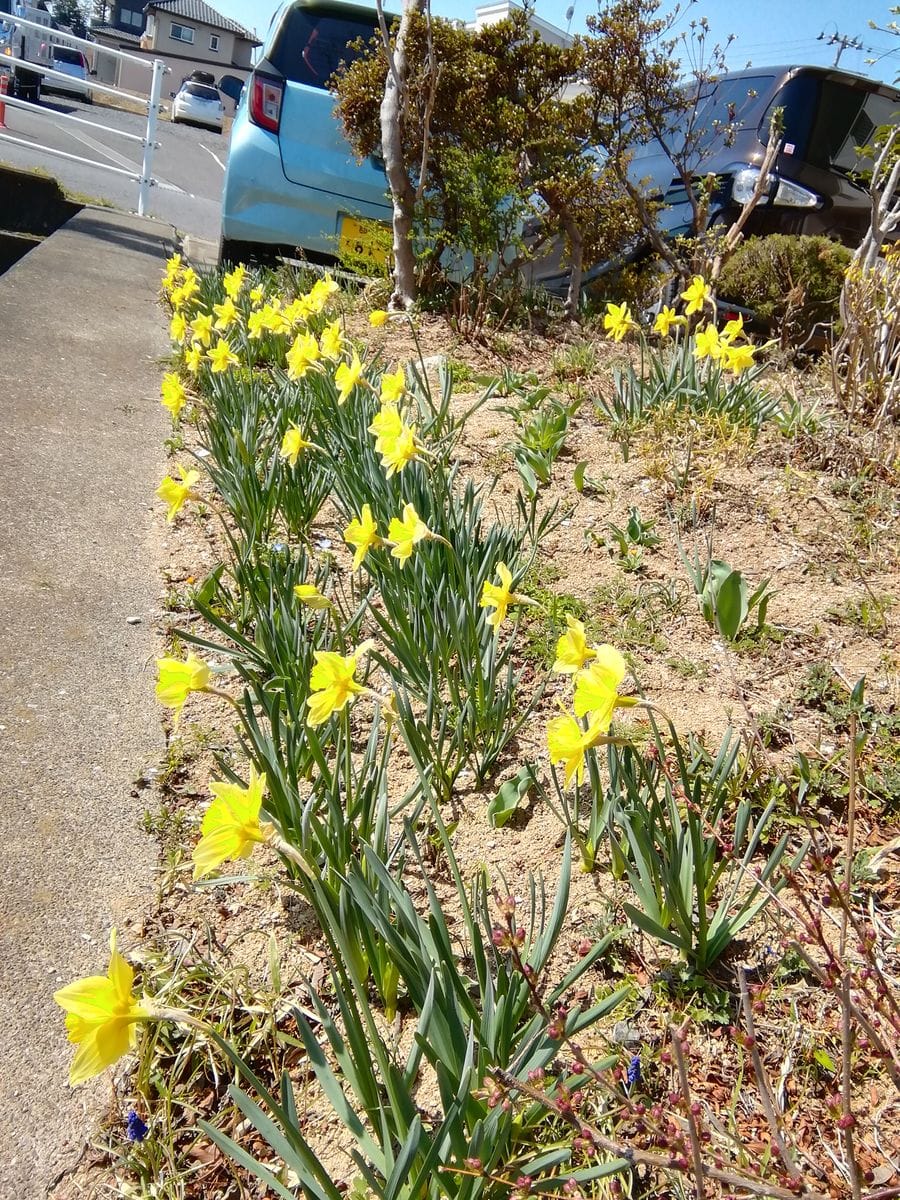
x=815 y=188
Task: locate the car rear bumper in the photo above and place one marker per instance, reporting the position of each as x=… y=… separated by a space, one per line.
x=261 y=206
x=69 y=87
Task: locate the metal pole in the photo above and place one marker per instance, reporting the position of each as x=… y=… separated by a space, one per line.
x=150 y=136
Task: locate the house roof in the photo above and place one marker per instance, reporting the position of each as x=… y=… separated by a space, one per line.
x=196 y=10
x=120 y=35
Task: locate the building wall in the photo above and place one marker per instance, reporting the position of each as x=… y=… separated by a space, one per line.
x=163 y=43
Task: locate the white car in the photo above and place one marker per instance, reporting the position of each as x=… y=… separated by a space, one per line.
x=199 y=103
x=69 y=61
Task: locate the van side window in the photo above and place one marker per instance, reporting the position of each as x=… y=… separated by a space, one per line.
x=826 y=120
x=313 y=42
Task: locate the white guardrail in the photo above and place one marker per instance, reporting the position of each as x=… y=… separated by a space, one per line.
x=156 y=66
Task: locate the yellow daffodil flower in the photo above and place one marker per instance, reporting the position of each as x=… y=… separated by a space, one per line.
x=332 y=682
x=567 y=743
x=173 y=268
x=406 y=533
x=178 y=298
x=102 y=1013
x=175 y=493
x=190 y=281
x=226 y=314
x=322 y=291
x=733 y=329
x=178 y=327
x=665 y=319
x=738 y=358
x=297 y=312
x=303 y=354
x=174 y=397
x=257 y=294
x=500 y=597
x=393 y=386
x=231 y=826
x=178 y=679
x=377 y=318
x=193 y=357
x=400 y=450
x=572 y=650
x=618 y=321
x=202 y=329
x=347 y=376
x=332 y=340
x=707 y=343
x=273 y=318
x=256 y=324
x=317 y=298
x=221 y=357
x=309 y=594
x=697 y=295
x=387 y=425
x=234 y=281
x=596 y=687
x=292 y=445
x=362 y=534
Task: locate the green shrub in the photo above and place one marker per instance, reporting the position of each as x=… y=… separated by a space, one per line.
x=791 y=283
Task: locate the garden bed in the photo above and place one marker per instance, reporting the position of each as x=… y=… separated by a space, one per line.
x=634 y=501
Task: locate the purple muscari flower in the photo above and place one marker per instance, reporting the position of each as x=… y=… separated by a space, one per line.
x=633 y=1071
x=136 y=1129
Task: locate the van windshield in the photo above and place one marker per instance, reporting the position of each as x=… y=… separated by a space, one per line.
x=313 y=42
x=728 y=103
x=825 y=120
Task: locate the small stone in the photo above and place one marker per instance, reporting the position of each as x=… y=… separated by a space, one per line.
x=134 y=620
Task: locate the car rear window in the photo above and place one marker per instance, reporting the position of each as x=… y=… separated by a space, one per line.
x=313 y=42
x=826 y=120
x=66 y=54
x=201 y=91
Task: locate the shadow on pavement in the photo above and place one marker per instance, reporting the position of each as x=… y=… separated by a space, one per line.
x=94 y=225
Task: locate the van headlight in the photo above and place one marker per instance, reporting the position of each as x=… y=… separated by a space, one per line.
x=789 y=194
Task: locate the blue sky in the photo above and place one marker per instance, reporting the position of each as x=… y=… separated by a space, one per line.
x=769 y=32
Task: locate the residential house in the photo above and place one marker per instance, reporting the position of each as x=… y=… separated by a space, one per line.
x=188 y=35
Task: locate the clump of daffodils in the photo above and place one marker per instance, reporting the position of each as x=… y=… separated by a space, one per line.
x=728 y=346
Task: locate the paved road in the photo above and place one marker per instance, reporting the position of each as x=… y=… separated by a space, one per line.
x=189 y=164
x=81 y=337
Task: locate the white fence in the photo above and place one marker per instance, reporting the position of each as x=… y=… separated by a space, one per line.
x=157 y=69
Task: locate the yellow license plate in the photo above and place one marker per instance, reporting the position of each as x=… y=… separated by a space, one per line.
x=365 y=244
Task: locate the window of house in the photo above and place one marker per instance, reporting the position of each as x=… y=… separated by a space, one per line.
x=131 y=16
x=214 y=41
x=181 y=33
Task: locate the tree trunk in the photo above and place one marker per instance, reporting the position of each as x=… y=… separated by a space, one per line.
x=576 y=264
x=403 y=194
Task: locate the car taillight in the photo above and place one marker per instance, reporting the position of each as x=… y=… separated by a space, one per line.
x=265 y=102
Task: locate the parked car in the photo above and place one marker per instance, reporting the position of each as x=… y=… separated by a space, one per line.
x=291 y=180
x=71 y=62
x=814 y=186
x=200 y=104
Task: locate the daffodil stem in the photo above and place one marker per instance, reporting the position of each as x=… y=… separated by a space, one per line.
x=292 y=853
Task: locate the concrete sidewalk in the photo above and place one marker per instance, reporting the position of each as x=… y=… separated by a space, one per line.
x=82 y=430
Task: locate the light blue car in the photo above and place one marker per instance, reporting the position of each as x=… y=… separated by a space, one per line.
x=292 y=183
